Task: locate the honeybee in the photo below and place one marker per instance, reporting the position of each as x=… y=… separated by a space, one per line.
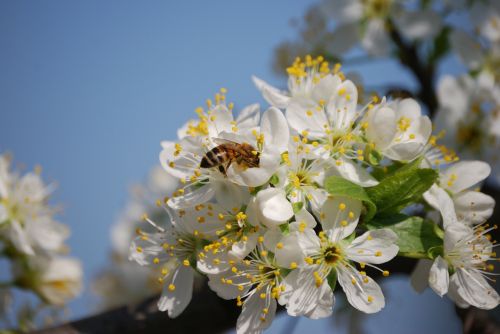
x=227 y=152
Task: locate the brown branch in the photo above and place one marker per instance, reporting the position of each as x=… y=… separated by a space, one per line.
x=206 y=313
x=408 y=55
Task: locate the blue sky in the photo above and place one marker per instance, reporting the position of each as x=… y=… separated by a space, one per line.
x=88 y=90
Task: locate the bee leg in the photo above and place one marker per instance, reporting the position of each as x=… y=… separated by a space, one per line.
x=222 y=170
x=227 y=166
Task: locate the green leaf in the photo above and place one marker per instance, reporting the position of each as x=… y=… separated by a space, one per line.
x=274 y=180
x=285 y=228
x=416 y=236
x=297 y=206
x=332 y=279
x=373 y=156
x=403 y=187
x=339 y=186
x=441 y=46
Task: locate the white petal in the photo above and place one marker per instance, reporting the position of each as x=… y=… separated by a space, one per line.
x=454 y=98
x=249 y=116
x=275 y=129
x=230 y=195
x=438 y=276
x=325 y=88
x=3 y=213
x=453 y=234
x=475 y=290
x=303 y=216
x=473 y=207
x=376 y=40
x=324 y=306
x=381 y=126
x=354 y=173
x=340 y=215
x=250 y=319
x=242 y=248
x=378 y=246
x=420 y=276
x=19 y=238
x=290 y=252
x=220 y=121
x=305 y=294
x=182 y=165
x=271 y=238
x=419 y=24
x=342 y=106
x=192 y=197
x=308 y=241
x=176 y=301
x=344 y=10
x=462 y=176
x=213 y=263
x=366 y=297
x=46 y=233
x=303 y=116
x=439 y=199
x=274 y=208
x=274 y=96
x=453 y=293
x=225 y=290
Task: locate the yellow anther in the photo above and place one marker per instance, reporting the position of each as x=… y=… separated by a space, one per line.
x=138 y=249
x=186 y=263
x=370 y=299
x=171 y=287
x=293 y=265
x=156 y=260
x=378 y=253
x=342 y=206
x=262 y=296
x=385 y=273
x=241 y=216
x=279 y=245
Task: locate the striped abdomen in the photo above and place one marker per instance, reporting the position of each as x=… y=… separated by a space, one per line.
x=215 y=157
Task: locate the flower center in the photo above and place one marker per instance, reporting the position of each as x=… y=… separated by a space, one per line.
x=332 y=255
x=377 y=8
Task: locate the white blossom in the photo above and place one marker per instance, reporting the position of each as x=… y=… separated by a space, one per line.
x=462 y=270
x=26 y=218
x=306 y=288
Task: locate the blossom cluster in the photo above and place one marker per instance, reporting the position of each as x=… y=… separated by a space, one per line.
x=32 y=240
x=122 y=281
x=420 y=35
x=278 y=207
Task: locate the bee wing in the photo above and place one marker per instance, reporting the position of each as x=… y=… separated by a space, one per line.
x=221 y=141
